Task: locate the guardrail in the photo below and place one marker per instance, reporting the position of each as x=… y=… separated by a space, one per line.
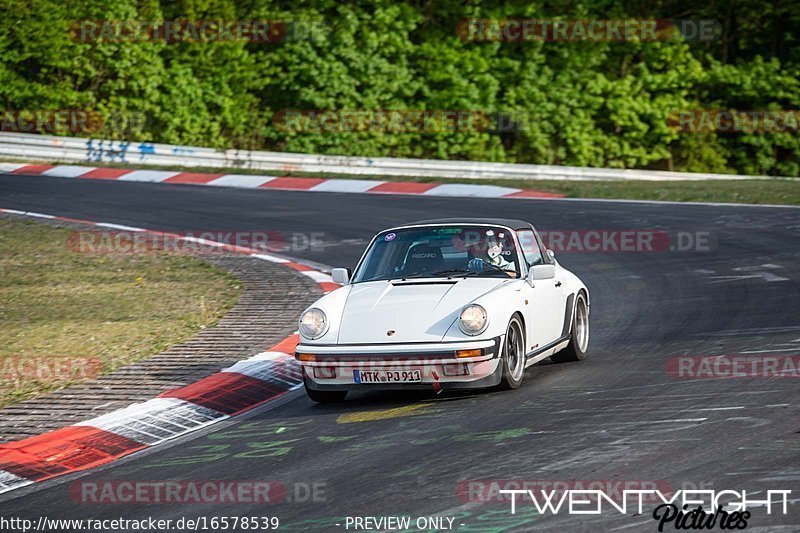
x=73 y=149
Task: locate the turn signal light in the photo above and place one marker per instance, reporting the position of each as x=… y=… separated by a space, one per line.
x=307 y=357
x=469 y=353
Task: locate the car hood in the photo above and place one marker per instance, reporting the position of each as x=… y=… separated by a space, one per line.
x=415 y=311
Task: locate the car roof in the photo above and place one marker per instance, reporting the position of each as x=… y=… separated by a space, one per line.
x=507 y=222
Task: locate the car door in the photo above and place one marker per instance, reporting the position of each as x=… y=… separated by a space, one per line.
x=546 y=301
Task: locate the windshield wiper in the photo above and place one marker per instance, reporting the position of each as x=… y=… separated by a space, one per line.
x=490 y=271
x=449 y=272
x=419 y=275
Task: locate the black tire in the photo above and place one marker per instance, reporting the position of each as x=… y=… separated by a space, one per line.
x=326 y=396
x=578 y=345
x=513 y=355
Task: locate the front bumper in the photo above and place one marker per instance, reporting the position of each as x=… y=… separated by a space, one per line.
x=437 y=363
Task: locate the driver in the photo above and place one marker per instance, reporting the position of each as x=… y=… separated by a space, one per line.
x=492 y=252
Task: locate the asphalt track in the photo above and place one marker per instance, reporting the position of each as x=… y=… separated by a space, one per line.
x=617 y=416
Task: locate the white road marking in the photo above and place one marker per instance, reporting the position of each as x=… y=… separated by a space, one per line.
x=244 y=181
x=465 y=190
x=668 y=398
x=67 y=171
x=346 y=185
x=747 y=331
x=767 y=276
x=757 y=268
x=783 y=477
x=773 y=350
x=119 y=226
x=668 y=421
x=624 y=440
x=155 y=176
x=11 y=167
x=203 y=241
x=9 y=481
x=270 y=258
x=156 y=420
x=635 y=524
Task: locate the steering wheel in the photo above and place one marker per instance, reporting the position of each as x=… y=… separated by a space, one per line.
x=477 y=264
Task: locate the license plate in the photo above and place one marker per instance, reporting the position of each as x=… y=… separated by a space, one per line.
x=386 y=376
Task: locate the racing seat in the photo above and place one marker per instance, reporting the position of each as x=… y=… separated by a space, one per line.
x=423 y=258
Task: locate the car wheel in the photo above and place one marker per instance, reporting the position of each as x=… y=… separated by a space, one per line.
x=513 y=358
x=579 y=338
x=326 y=396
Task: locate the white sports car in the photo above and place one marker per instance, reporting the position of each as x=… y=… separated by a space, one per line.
x=443 y=304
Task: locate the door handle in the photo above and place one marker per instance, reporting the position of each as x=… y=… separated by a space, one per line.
x=558 y=283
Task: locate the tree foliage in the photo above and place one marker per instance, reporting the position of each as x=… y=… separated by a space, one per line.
x=585 y=103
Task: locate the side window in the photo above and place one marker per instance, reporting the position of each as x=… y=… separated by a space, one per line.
x=547 y=258
x=530 y=247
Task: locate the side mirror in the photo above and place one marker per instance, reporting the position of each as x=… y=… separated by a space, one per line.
x=541 y=272
x=340 y=275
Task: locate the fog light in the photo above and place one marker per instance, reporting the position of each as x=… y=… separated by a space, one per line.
x=324 y=372
x=469 y=353
x=456 y=369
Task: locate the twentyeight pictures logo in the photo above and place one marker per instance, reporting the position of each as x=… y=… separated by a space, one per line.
x=683 y=509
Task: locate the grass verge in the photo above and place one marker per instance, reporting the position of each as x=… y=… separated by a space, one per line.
x=68 y=316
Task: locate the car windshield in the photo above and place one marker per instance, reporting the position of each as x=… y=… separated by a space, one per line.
x=440 y=251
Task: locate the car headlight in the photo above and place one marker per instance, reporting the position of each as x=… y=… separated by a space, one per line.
x=473 y=319
x=313 y=323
